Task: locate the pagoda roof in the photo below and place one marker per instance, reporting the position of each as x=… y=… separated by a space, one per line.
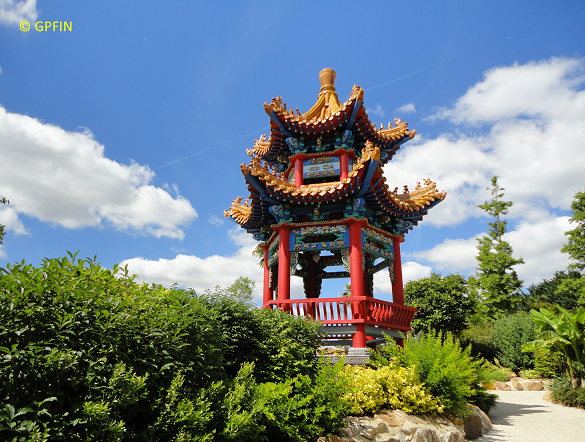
x=326 y=117
x=366 y=180
x=329 y=128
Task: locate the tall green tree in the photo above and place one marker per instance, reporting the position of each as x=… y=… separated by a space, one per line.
x=575 y=247
x=496 y=281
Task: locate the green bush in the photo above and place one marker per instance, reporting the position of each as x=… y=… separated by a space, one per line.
x=86 y=353
x=447 y=370
x=510 y=334
x=564 y=393
x=480 y=336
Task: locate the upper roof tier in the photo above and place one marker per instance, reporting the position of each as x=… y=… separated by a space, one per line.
x=325 y=118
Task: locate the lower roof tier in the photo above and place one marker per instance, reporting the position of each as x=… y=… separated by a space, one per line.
x=363 y=193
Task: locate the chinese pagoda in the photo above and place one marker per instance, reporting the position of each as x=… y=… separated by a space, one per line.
x=320 y=207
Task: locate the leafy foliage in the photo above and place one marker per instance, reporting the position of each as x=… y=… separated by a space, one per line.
x=562 y=289
x=443 y=303
x=562 y=392
x=575 y=246
x=496 y=280
x=449 y=372
x=389 y=386
x=86 y=353
x=280 y=345
x=510 y=334
x=563 y=335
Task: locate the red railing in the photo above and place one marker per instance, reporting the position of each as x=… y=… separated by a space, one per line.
x=349 y=311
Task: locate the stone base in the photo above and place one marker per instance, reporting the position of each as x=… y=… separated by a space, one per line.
x=354 y=356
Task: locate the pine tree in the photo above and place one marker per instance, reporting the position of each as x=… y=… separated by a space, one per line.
x=496 y=281
x=575 y=247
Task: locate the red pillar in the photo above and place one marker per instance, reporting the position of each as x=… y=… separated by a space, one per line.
x=357 y=279
x=284 y=263
x=343 y=166
x=397 y=287
x=267 y=293
x=298 y=172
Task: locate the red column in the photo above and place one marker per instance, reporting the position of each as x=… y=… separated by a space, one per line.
x=298 y=172
x=397 y=287
x=357 y=279
x=343 y=166
x=284 y=263
x=267 y=293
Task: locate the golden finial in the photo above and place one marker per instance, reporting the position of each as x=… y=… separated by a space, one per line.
x=327 y=79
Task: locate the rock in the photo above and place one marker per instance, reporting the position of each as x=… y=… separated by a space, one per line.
x=501 y=386
x=473 y=426
x=366 y=427
x=452 y=436
x=547 y=396
x=486 y=423
x=394 y=418
x=425 y=435
x=532 y=385
x=516 y=385
x=386 y=437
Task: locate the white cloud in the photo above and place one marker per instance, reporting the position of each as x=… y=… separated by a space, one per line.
x=453 y=255
x=13 y=12
x=9 y=219
x=64 y=178
x=410 y=271
x=206 y=273
x=525 y=123
x=215 y=220
x=379 y=111
x=539 y=244
x=407 y=108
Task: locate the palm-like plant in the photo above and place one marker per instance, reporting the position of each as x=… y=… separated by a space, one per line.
x=563 y=335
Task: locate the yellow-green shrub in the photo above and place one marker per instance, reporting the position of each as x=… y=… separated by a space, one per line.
x=388 y=387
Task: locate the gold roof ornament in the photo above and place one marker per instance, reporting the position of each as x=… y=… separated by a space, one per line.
x=327 y=103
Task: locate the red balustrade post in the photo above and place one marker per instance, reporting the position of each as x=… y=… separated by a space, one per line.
x=284 y=264
x=267 y=292
x=357 y=280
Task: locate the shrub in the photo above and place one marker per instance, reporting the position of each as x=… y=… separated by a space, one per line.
x=480 y=336
x=562 y=392
x=280 y=345
x=388 y=386
x=88 y=353
x=448 y=371
x=443 y=303
x=510 y=334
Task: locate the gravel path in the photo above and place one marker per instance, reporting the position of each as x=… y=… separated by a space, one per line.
x=523 y=416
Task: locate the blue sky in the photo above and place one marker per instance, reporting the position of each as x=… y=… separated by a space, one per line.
x=122 y=138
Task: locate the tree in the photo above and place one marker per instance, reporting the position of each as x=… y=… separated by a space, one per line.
x=575 y=247
x=554 y=291
x=3 y=201
x=496 y=281
x=443 y=303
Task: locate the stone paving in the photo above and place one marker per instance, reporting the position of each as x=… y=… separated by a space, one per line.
x=524 y=416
